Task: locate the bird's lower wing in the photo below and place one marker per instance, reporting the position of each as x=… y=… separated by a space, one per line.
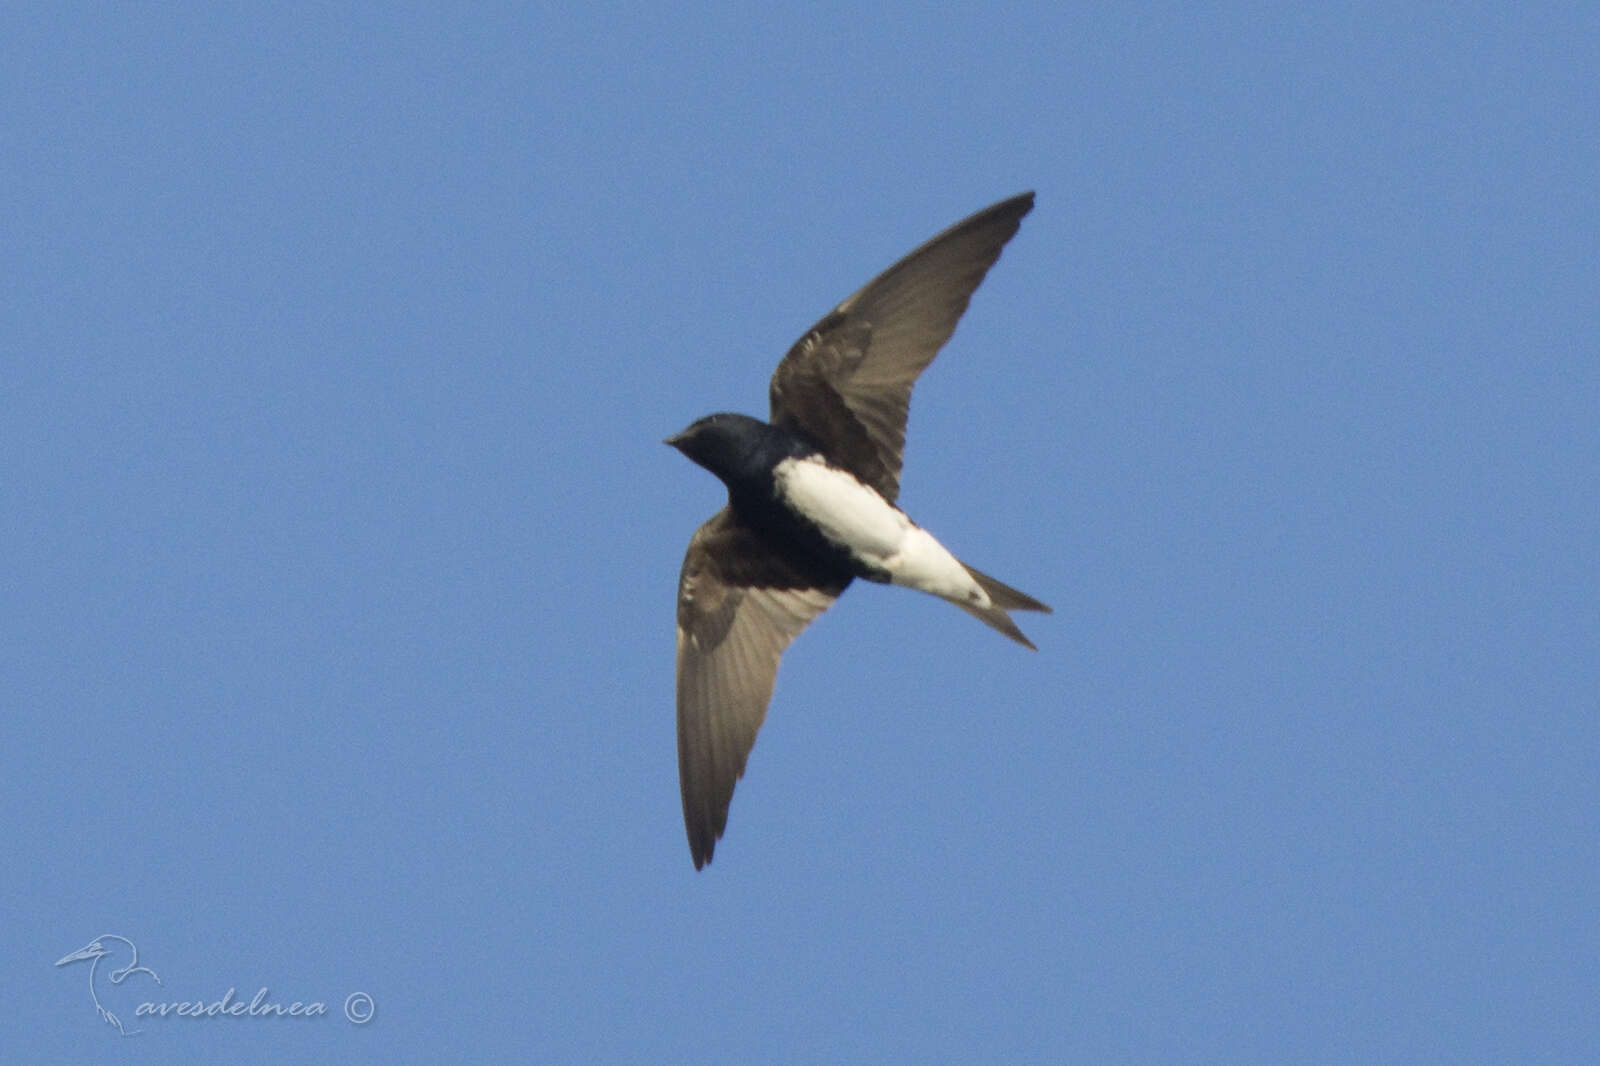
x=739 y=606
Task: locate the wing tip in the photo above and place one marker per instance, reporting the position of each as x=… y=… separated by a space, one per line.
x=1023 y=198
x=702 y=856
x=703 y=837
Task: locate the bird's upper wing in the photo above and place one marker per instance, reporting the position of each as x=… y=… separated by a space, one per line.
x=847 y=383
x=739 y=607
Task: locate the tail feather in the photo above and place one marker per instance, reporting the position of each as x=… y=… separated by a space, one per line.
x=1003 y=598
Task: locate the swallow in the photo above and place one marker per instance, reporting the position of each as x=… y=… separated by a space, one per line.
x=812 y=506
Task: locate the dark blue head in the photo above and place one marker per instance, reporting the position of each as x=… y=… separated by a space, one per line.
x=737 y=448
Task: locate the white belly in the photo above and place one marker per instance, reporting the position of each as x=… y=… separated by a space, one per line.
x=856 y=518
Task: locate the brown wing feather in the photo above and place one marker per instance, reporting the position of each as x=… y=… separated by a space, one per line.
x=739 y=607
x=847 y=383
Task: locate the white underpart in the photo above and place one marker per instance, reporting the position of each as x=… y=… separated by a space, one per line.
x=856 y=518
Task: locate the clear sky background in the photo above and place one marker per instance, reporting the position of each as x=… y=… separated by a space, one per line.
x=340 y=546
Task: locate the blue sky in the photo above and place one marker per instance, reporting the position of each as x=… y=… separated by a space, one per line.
x=341 y=545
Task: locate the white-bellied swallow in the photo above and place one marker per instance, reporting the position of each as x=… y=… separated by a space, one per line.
x=811 y=506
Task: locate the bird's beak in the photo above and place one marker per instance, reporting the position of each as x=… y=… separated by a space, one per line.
x=674 y=440
x=90 y=952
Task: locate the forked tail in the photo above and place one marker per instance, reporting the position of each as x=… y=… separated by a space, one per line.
x=1003 y=598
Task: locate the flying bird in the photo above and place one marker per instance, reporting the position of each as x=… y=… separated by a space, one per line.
x=811 y=506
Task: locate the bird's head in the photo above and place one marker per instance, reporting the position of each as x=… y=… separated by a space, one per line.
x=92 y=950
x=728 y=445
